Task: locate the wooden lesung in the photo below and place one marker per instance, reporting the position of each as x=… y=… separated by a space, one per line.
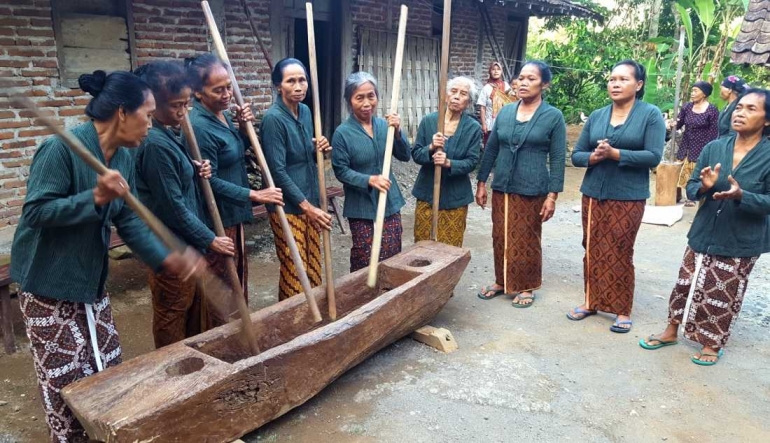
x=208 y=388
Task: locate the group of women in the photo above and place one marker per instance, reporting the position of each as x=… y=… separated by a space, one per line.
x=60 y=248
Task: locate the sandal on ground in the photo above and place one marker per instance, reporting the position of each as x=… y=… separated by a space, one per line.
x=661 y=343
x=581 y=314
x=697 y=358
x=519 y=304
x=616 y=327
x=689 y=204
x=487 y=293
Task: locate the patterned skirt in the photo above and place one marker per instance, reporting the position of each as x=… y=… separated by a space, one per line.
x=685 y=173
x=309 y=244
x=362 y=231
x=176 y=307
x=218 y=306
x=609 y=234
x=451 y=223
x=62 y=353
x=517 y=250
x=711 y=289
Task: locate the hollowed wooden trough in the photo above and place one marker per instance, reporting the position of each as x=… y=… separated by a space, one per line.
x=208 y=389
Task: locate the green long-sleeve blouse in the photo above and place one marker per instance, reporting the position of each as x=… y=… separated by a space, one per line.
x=167 y=183
x=533 y=165
x=732 y=228
x=356 y=156
x=225 y=148
x=725 y=119
x=60 y=247
x=462 y=149
x=640 y=141
x=290 y=153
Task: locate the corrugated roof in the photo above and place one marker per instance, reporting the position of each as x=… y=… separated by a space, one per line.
x=752 y=45
x=553 y=7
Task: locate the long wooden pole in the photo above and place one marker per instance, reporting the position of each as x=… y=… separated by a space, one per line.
x=287 y=233
x=320 y=160
x=383 y=198
x=219 y=229
x=443 y=78
x=679 y=62
x=156 y=226
x=256 y=34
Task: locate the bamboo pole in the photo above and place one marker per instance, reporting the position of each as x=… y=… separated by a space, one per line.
x=320 y=159
x=287 y=233
x=156 y=226
x=443 y=79
x=679 y=63
x=380 y=218
x=256 y=34
x=219 y=229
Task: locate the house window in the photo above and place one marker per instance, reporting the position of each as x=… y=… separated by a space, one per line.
x=91 y=35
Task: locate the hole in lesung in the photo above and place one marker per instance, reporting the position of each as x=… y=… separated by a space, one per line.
x=185 y=367
x=419 y=263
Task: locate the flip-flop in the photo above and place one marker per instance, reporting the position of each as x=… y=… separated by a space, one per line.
x=486 y=290
x=524 y=297
x=661 y=343
x=619 y=329
x=689 y=204
x=582 y=312
x=699 y=362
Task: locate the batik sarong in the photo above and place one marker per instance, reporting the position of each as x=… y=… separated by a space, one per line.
x=717 y=285
x=451 y=223
x=609 y=234
x=62 y=353
x=308 y=241
x=218 y=305
x=362 y=231
x=518 y=253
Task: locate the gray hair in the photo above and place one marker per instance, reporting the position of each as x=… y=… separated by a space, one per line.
x=355 y=81
x=473 y=89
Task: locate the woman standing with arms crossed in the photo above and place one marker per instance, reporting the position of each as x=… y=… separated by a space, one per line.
x=60 y=246
x=527 y=149
x=728 y=234
x=168 y=186
x=290 y=150
x=619 y=144
x=495 y=94
x=458 y=156
x=225 y=147
x=359 y=151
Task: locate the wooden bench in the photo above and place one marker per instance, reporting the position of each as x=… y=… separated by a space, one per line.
x=6 y=317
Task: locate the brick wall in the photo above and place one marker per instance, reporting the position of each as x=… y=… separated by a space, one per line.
x=466 y=26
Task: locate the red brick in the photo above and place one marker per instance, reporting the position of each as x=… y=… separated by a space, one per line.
x=17 y=163
x=49 y=63
x=20 y=144
x=7 y=114
x=43 y=112
x=14 y=63
x=39 y=132
x=26 y=52
x=5 y=124
x=34 y=32
x=12 y=184
x=8 y=21
x=70 y=112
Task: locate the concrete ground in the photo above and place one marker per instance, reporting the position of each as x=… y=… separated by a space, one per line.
x=519 y=375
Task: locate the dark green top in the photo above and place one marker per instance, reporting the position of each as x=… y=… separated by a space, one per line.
x=640 y=141
x=60 y=246
x=462 y=149
x=167 y=183
x=535 y=165
x=732 y=228
x=290 y=154
x=725 y=119
x=356 y=157
x=225 y=148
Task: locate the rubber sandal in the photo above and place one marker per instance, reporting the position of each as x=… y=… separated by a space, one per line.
x=486 y=290
x=699 y=362
x=619 y=329
x=524 y=297
x=582 y=312
x=643 y=343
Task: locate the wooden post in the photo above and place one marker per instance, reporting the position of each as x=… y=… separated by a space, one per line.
x=380 y=218
x=208 y=194
x=320 y=160
x=667 y=172
x=9 y=340
x=443 y=79
x=287 y=233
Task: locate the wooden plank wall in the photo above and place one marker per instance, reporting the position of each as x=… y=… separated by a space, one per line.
x=419 y=76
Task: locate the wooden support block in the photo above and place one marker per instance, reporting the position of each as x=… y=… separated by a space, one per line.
x=438 y=338
x=9 y=341
x=666 y=179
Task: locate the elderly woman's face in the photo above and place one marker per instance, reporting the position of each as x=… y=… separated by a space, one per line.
x=724 y=93
x=364 y=102
x=134 y=126
x=622 y=84
x=458 y=97
x=696 y=95
x=749 y=116
x=530 y=82
x=293 y=87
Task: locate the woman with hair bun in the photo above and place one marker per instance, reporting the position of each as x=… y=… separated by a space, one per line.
x=619 y=144
x=167 y=184
x=730 y=90
x=225 y=147
x=290 y=150
x=60 y=246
